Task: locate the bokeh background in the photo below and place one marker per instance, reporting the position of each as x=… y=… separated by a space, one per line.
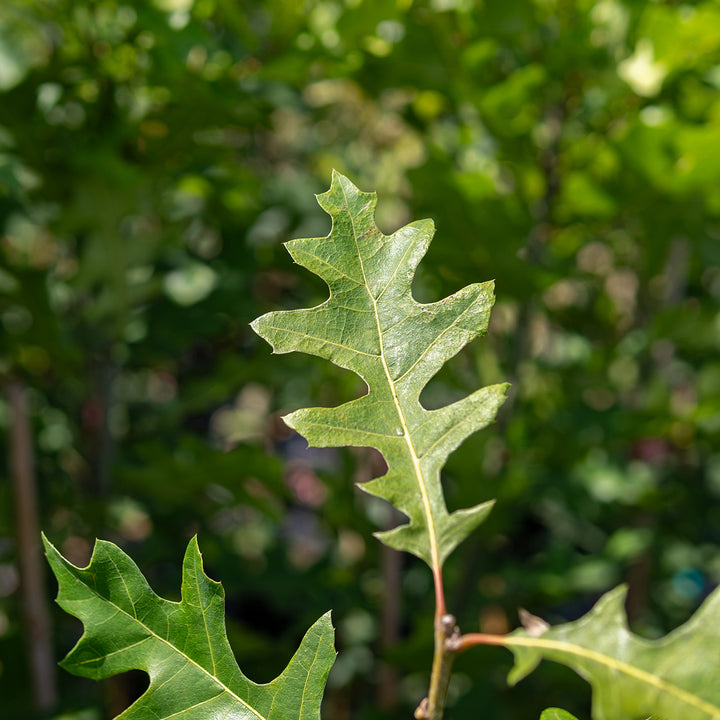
x=155 y=154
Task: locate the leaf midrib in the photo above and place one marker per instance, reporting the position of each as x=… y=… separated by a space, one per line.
x=434 y=554
x=613 y=663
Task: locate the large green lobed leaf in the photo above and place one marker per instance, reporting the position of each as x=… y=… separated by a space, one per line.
x=372 y=325
x=182 y=646
x=674 y=677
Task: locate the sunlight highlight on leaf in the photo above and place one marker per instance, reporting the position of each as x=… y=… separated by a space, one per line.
x=182 y=646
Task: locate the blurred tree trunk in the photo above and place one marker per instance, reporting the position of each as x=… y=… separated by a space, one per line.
x=29 y=552
x=96 y=425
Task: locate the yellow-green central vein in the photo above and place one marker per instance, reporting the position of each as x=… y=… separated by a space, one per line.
x=434 y=554
x=615 y=664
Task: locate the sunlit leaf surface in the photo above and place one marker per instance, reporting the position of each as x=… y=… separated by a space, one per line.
x=182 y=646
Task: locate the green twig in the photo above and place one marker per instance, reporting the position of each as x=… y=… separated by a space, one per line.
x=446 y=634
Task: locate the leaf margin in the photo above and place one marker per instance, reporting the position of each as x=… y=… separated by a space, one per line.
x=278 y=330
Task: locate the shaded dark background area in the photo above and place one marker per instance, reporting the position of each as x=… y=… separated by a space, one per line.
x=153 y=158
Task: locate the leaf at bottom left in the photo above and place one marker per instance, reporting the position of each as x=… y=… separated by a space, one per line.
x=182 y=646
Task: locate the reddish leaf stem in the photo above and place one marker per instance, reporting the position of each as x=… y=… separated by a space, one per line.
x=470 y=639
x=448 y=643
x=433 y=706
x=440 y=608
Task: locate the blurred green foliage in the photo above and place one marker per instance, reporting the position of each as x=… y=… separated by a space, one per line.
x=154 y=156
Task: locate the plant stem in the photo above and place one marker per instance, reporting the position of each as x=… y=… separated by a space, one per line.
x=440 y=609
x=463 y=642
x=448 y=643
x=445 y=631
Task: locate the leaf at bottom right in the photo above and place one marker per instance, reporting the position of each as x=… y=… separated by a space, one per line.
x=676 y=677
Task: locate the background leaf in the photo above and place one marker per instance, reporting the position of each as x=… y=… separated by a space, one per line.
x=372 y=325
x=182 y=645
x=675 y=676
x=556 y=714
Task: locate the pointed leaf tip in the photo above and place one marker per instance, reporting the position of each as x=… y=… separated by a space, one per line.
x=373 y=326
